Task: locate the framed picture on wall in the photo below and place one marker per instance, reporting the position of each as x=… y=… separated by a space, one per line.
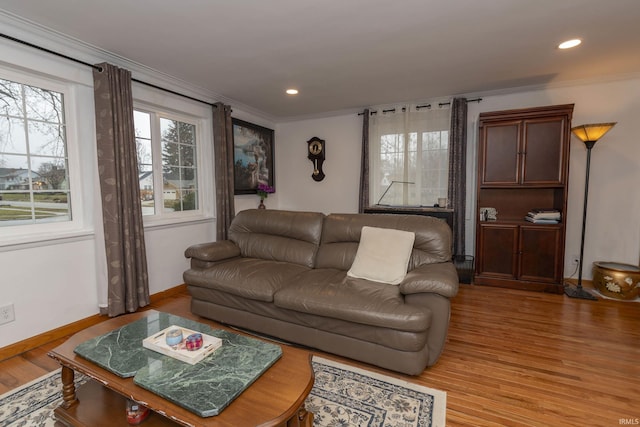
x=252 y=157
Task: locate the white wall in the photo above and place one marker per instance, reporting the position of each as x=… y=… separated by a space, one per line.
x=165 y=252
x=338 y=192
x=50 y=286
x=613 y=223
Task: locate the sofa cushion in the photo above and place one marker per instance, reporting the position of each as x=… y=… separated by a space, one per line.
x=251 y=278
x=341 y=235
x=331 y=293
x=278 y=235
x=383 y=255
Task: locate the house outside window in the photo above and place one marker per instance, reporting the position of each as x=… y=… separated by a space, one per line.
x=34 y=171
x=409 y=157
x=167 y=163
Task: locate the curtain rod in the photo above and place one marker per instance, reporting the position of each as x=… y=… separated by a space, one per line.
x=96 y=67
x=418 y=107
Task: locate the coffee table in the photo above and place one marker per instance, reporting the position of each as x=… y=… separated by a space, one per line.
x=276 y=398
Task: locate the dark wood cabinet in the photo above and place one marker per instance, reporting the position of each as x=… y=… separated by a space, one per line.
x=498 y=244
x=523 y=152
x=522 y=165
x=519 y=254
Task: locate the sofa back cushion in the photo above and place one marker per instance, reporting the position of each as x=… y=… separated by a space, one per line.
x=278 y=235
x=341 y=236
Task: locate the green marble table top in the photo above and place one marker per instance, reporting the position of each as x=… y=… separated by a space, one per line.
x=205 y=388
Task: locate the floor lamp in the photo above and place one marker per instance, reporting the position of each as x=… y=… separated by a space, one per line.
x=589 y=134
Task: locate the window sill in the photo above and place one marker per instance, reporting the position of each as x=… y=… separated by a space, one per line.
x=44 y=239
x=162 y=223
x=36 y=240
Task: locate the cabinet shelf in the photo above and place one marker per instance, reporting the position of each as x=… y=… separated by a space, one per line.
x=520 y=221
x=521 y=186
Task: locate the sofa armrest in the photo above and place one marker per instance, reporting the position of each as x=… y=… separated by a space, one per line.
x=440 y=278
x=213 y=251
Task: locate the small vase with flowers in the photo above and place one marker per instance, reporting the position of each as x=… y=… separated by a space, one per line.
x=263 y=192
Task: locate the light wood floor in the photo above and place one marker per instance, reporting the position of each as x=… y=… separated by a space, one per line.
x=513 y=358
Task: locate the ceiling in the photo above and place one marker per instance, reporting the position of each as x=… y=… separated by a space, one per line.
x=349 y=54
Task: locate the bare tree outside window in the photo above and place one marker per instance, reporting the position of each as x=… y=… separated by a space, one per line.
x=34 y=181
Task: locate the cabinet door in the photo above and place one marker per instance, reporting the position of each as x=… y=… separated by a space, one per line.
x=544 y=151
x=540 y=259
x=497 y=249
x=500 y=153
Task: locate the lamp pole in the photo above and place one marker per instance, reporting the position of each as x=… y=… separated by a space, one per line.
x=579 y=291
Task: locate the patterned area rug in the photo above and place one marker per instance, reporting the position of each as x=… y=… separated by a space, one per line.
x=347 y=396
x=32 y=404
x=342 y=396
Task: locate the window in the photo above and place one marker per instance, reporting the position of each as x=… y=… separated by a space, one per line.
x=34 y=178
x=409 y=157
x=167 y=163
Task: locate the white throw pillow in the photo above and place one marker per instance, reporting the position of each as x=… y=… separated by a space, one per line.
x=383 y=255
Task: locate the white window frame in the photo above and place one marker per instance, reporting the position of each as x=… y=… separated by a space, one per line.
x=200 y=116
x=77 y=226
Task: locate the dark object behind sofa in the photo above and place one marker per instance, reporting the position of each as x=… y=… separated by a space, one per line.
x=284 y=274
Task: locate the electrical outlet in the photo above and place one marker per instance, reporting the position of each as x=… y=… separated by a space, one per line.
x=575 y=259
x=7 y=314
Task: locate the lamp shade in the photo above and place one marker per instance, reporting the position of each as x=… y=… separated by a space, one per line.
x=592 y=132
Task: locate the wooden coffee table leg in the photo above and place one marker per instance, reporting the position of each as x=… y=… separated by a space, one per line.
x=68 y=388
x=302 y=419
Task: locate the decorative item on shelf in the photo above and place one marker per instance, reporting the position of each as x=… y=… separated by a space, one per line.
x=589 y=134
x=543 y=216
x=263 y=192
x=616 y=280
x=316 y=154
x=488 y=214
x=442 y=202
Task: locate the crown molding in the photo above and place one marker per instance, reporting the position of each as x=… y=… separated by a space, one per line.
x=608 y=78
x=40 y=35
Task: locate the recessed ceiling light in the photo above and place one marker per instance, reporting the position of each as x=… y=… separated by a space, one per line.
x=569 y=44
x=292 y=91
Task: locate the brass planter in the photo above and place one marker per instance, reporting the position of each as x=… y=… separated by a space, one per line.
x=616 y=280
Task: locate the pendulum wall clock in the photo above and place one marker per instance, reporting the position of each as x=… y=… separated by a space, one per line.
x=316 y=150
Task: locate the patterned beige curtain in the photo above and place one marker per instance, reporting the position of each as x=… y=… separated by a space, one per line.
x=363 y=201
x=128 y=286
x=223 y=151
x=458 y=172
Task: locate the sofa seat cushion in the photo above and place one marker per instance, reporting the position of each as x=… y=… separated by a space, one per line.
x=331 y=293
x=251 y=278
x=264 y=313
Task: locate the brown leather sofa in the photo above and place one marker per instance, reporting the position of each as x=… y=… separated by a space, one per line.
x=284 y=274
